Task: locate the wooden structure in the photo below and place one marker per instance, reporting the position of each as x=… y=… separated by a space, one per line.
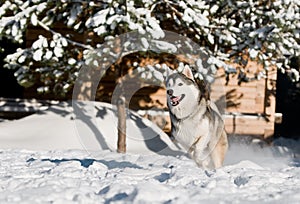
x=250 y=106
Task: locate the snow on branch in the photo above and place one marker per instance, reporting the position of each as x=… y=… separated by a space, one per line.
x=265 y=31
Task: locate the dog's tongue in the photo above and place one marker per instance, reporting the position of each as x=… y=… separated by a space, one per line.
x=175 y=99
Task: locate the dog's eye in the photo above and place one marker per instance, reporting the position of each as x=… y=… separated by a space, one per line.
x=180 y=84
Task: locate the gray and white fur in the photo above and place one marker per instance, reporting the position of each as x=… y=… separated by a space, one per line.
x=196 y=122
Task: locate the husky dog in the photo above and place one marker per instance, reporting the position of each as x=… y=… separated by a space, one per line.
x=196 y=122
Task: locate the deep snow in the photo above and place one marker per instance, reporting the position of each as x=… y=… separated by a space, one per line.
x=77 y=177
x=254 y=172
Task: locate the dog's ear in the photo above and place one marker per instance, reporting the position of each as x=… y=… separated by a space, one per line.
x=204 y=89
x=188 y=72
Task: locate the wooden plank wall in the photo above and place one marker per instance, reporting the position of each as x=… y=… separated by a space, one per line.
x=250 y=106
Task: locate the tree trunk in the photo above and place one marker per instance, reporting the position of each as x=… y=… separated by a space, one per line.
x=121 y=124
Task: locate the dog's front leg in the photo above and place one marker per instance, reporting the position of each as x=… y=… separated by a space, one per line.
x=201 y=156
x=202 y=162
x=219 y=151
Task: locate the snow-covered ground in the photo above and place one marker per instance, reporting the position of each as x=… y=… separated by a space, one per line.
x=64 y=172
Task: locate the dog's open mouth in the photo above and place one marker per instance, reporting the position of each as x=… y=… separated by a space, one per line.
x=176 y=99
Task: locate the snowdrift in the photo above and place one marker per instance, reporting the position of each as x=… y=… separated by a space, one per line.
x=89 y=126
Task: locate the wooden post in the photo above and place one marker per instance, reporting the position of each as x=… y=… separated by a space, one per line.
x=121 y=100
x=121 y=124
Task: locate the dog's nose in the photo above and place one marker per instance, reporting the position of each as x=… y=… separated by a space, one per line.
x=170 y=92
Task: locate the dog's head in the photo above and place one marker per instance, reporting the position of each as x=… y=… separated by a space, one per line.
x=183 y=93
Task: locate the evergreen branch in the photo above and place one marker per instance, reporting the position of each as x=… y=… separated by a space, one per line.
x=59 y=34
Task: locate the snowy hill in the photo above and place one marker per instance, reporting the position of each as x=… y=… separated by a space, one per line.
x=43 y=160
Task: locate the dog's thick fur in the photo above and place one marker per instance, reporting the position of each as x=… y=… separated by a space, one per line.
x=196 y=122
